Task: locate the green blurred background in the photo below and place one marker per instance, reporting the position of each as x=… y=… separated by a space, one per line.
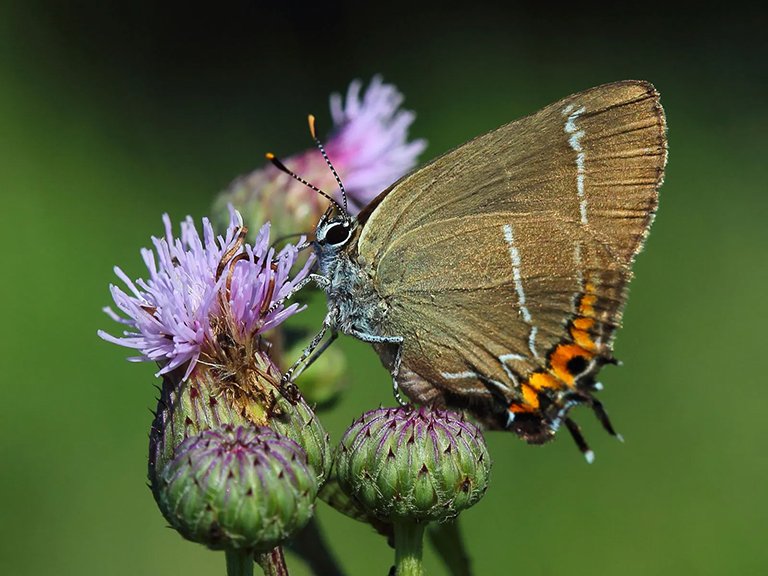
x=111 y=115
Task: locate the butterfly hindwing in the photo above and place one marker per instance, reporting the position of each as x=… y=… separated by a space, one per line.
x=505 y=261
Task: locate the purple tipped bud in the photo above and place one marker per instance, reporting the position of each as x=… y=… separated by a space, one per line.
x=413 y=463
x=237 y=488
x=212 y=398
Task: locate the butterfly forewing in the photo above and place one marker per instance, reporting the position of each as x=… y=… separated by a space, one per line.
x=505 y=261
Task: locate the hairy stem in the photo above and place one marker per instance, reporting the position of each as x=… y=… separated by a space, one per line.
x=273 y=562
x=409 y=546
x=239 y=563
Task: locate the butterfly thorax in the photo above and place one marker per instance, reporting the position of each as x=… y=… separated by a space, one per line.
x=354 y=305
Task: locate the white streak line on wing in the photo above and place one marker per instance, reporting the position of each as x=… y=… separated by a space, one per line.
x=517 y=277
x=500 y=385
x=504 y=358
x=458 y=375
x=575 y=142
x=469 y=375
x=532 y=341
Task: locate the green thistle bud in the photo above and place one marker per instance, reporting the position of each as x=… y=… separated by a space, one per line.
x=249 y=395
x=409 y=466
x=413 y=464
x=237 y=488
x=298 y=422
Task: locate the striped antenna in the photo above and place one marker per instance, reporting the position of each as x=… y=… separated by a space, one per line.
x=283 y=168
x=313 y=132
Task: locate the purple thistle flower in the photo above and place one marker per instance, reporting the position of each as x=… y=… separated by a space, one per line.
x=199 y=288
x=368 y=146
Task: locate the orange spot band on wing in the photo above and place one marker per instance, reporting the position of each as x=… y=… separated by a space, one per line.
x=541 y=380
x=583 y=323
x=587 y=305
x=560 y=357
x=559 y=374
x=530 y=389
x=530 y=396
x=584 y=340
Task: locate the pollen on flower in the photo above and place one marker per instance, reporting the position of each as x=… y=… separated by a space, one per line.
x=203 y=291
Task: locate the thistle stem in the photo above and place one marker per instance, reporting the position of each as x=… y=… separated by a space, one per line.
x=273 y=562
x=239 y=563
x=409 y=545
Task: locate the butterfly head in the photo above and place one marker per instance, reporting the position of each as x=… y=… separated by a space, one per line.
x=334 y=233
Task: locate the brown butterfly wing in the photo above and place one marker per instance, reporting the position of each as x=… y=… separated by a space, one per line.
x=505 y=261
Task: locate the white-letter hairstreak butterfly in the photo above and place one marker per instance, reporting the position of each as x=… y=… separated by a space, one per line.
x=493 y=279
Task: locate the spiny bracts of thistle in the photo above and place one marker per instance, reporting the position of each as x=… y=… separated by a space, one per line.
x=414 y=464
x=368 y=146
x=205 y=402
x=238 y=488
x=201 y=316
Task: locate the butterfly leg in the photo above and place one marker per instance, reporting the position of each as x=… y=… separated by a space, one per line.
x=316 y=354
x=395 y=372
x=378 y=339
x=318 y=279
x=328 y=323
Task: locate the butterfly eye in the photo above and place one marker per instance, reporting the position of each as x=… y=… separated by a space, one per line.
x=337 y=234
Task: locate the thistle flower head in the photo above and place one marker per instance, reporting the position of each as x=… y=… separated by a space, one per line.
x=413 y=464
x=242 y=488
x=370 y=139
x=204 y=295
x=368 y=146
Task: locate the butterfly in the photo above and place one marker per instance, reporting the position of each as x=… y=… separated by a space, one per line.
x=493 y=278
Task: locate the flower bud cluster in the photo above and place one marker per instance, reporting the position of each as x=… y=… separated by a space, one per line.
x=237 y=459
